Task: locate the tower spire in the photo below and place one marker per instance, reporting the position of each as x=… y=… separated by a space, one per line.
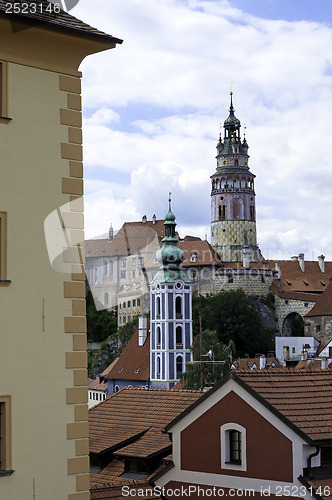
x=233 y=222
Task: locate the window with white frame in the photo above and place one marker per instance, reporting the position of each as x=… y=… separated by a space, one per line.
x=233 y=447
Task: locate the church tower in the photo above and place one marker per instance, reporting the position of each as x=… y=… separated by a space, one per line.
x=171 y=312
x=233 y=213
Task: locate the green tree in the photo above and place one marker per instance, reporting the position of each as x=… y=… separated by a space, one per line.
x=212 y=360
x=235 y=317
x=100 y=324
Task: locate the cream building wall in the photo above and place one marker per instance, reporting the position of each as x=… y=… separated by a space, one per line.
x=43 y=361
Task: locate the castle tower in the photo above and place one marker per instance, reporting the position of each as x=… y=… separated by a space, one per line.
x=171 y=312
x=233 y=213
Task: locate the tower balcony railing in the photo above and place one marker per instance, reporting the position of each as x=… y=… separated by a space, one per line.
x=231 y=189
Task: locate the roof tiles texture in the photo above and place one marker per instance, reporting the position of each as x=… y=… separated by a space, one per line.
x=144 y=491
x=134 y=361
x=312 y=280
x=323 y=306
x=304 y=397
x=133 y=238
x=131 y=411
x=60 y=21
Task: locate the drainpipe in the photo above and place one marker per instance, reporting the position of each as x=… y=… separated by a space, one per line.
x=310 y=457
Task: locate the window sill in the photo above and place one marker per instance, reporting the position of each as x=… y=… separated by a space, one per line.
x=6 y=472
x=5 y=283
x=5 y=119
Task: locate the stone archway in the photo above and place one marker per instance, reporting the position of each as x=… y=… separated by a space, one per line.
x=293 y=325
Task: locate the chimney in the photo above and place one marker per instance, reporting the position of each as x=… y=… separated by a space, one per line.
x=304 y=354
x=142 y=330
x=246 y=260
x=295 y=257
x=301 y=261
x=262 y=362
x=144 y=219
x=154 y=218
x=324 y=363
x=277 y=271
x=110 y=234
x=321 y=263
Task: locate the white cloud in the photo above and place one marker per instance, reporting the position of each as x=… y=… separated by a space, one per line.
x=177 y=61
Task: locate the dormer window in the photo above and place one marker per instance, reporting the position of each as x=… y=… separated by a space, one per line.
x=193 y=257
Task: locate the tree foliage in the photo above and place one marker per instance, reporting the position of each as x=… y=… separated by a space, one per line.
x=111 y=348
x=235 y=317
x=212 y=360
x=100 y=324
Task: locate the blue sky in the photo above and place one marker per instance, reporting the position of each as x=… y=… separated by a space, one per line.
x=153 y=108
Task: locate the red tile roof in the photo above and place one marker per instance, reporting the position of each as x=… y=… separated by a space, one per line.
x=133 y=238
x=97 y=385
x=304 y=397
x=323 y=306
x=301 y=398
x=148 y=445
x=131 y=411
x=243 y=363
x=322 y=487
x=293 y=295
x=312 y=280
x=144 y=491
x=134 y=361
x=59 y=21
x=206 y=255
x=109 y=368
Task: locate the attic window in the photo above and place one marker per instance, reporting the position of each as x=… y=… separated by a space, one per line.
x=121 y=370
x=306 y=283
x=138 y=369
x=193 y=257
x=323 y=284
x=288 y=282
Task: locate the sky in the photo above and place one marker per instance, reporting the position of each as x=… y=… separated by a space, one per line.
x=153 y=106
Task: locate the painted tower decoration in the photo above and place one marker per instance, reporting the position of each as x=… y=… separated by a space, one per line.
x=171 y=312
x=233 y=213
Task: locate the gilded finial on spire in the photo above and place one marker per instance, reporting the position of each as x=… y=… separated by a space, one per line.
x=169 y=200
x=231 y=109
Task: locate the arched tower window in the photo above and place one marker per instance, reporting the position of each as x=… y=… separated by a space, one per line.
x=178 y=307
x=238 y=208
x=179 y=364
x=158 y=336
x=179 y=340
x=158 y=307
x=106 y=299
x=158 y=366
x=105 y=267
x=110 y=267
